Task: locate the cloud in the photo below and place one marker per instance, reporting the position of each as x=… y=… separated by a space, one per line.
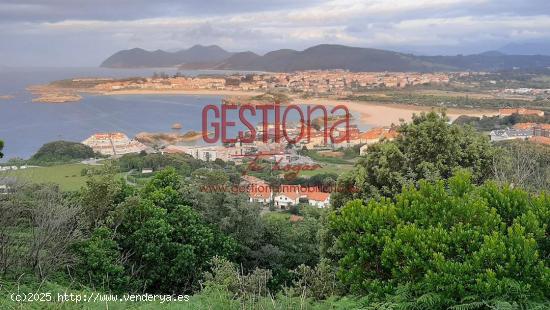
x=430 y=26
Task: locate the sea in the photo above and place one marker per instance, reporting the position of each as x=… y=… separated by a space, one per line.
x=25 y=125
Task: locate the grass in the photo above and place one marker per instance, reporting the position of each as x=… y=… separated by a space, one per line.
x=328 y=168
x=209 y=299
x=66 y=176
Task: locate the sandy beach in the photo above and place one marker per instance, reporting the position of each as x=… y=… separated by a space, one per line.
x=376 y=114
x=386 y=114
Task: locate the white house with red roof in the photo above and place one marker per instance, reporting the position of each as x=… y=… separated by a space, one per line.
x=318 y=199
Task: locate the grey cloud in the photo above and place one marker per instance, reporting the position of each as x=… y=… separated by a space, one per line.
x=73 y=32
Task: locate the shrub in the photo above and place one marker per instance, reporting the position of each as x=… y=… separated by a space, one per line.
x=447 y=242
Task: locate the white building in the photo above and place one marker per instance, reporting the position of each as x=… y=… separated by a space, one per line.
x=115 y=143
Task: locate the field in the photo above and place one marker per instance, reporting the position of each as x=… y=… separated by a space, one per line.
x=66 y=176
x=328 y=168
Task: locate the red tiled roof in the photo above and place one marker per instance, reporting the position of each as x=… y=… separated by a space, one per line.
x=317 y=196
x=374 y=133
x=262 y=192
x=524 y=125
x=540 y=139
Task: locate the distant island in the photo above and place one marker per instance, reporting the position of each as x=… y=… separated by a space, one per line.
x=320 y=57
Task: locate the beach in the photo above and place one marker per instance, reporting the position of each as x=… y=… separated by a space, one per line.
x=376 y=114
x=385 y=114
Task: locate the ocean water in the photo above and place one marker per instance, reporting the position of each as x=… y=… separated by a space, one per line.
x=25 y=125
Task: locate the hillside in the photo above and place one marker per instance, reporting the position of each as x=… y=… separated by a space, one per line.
x=140 y=58
x=330 y=57
x=319 y=57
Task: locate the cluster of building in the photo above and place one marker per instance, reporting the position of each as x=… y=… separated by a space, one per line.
x=339 y=82
x=8 y=168
x=527 y=91
x=535 y=132
x=113 y=144
x=286 y=195
x=538 y=133
x=279 y=152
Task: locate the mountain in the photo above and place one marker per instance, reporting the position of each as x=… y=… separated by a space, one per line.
x=328 y=56
x=324 y=56
x=533 y=48
x=140 y=58
x=490 y=61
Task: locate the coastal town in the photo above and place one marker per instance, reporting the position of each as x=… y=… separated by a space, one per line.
x=339 y=82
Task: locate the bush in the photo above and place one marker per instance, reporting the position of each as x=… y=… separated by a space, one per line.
x=100 y=262
x=446 y=243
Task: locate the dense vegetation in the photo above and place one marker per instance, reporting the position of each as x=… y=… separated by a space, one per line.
x=61 y=152
x=436 y=219
x=411 y=97
x=427 y=148
x=488 y=123
x=446 y=243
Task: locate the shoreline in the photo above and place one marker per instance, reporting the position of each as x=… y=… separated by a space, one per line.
x=386 y=114
x=198 y=92
x=371 y=113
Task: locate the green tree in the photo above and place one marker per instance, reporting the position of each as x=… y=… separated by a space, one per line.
x=1 y=147
x=101 y=195
x=427 y=148
x=168 y=244
x=446 y=243
x=100 y=263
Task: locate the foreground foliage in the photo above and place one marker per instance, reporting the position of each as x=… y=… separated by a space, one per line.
x=445 y=244
x=427 y=148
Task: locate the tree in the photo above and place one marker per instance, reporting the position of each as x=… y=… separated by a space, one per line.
x=102 y=194
x=427 y=148
x=101 y=264
x=167 y=245
x=445 y=243
x=38 y=229
x=522 y=163
x=1 y=147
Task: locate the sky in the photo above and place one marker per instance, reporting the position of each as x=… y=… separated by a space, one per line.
x=85 y=32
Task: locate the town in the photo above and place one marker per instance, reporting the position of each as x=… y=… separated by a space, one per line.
x=317 y=82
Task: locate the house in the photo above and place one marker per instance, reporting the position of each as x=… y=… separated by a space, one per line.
x=318 y=199
x=510 y=134
x=285 y=199
x=258 y=190
x=146 y=170
x=260 y=194
x=374 y=135
x=115 y=143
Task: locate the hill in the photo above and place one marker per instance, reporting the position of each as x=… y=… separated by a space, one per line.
x=60 y=152
x=327 y=56
x=140 y=58
x=324 y=56
x=528 y=48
